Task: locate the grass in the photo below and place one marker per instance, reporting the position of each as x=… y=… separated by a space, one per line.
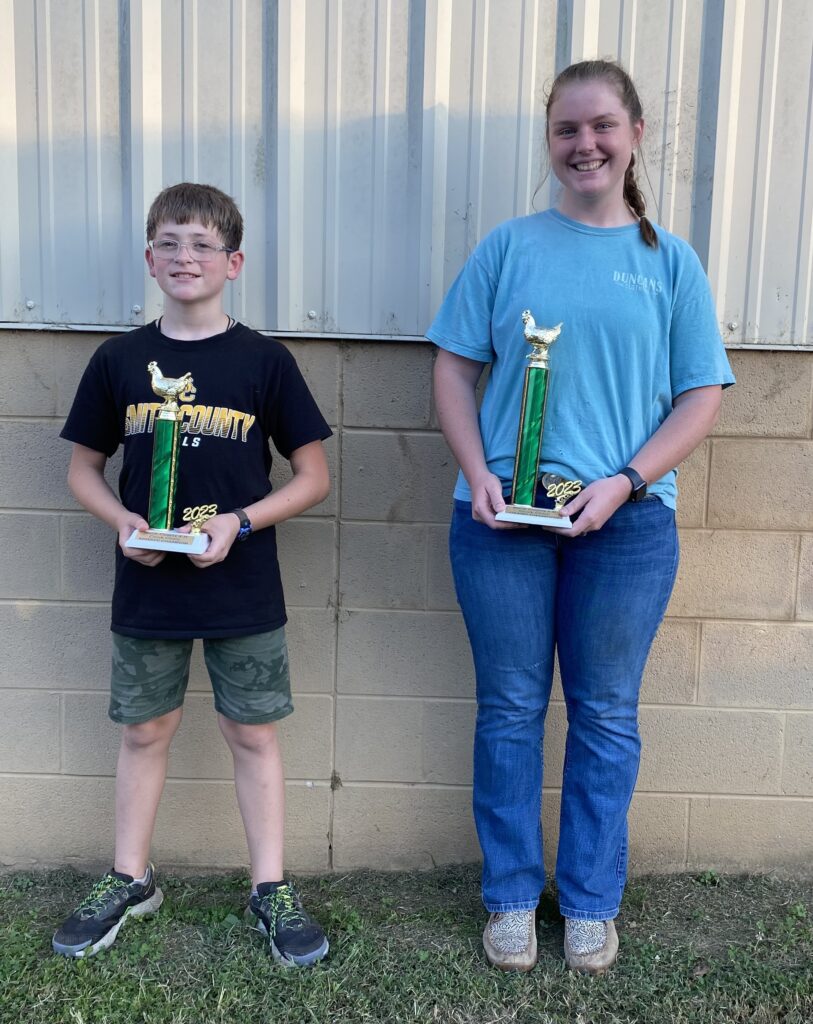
x=406 y=948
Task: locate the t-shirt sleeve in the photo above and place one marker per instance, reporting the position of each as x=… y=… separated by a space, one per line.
x=697 y=357
x=294 y=416
x=463 y=322
x=92 y=420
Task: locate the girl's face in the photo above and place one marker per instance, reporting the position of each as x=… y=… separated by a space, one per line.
x=591 y=139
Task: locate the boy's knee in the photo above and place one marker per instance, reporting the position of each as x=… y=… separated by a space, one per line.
x=252 y=738
x=156 y=732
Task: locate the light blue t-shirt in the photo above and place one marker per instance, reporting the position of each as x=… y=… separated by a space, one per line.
x=639 y=328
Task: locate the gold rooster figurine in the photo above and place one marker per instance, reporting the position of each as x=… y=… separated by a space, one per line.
x=171 y=388
x=540 y=338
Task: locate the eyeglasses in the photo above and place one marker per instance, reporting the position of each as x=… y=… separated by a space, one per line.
x=170 y=248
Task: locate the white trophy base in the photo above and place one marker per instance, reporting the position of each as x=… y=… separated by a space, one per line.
x=169 y=540
x=534 y=517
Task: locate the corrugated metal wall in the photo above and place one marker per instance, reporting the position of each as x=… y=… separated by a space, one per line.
x=371 y=143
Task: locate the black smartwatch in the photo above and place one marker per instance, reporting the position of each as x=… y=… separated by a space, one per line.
x=637 y=481
x=245 y=524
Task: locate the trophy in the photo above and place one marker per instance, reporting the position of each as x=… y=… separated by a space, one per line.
x=164 y=474
x=529 y=440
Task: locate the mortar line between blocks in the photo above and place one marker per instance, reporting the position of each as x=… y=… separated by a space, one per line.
x=448 y=787
x=798 y=578
x=61 y=537
x=426 y=547
x=555 y=702
x=687 y=818
x=810 y=410
x=782 y=746
x=204 y=696
x=707 y=485
x=698 y=656
x=337 y=555
x=61 y=699
x=762 y=531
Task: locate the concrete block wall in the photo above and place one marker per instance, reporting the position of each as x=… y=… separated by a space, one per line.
x=378 y=753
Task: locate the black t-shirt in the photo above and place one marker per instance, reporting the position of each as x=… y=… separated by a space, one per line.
x=249 y=389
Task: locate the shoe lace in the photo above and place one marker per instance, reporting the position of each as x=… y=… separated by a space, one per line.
x=284 y=907
x=100 y=894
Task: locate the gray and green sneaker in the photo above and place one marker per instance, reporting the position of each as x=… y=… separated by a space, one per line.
x=95 y=923
x=276 y=911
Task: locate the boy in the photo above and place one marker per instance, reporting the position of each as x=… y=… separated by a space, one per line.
x=247 y=388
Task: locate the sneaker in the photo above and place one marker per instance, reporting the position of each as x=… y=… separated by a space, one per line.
x=591 y=947
x=95 y=923
x=276 y=912
x=510 y=940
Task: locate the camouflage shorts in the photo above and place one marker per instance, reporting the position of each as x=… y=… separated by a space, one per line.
x=249 y=677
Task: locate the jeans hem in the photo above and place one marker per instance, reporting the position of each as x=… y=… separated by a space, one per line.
x=589 y=915
x=507 y=908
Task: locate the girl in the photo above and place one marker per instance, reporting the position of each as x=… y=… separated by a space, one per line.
x=636 y=380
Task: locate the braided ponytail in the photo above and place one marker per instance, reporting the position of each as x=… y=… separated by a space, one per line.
x=634 y=198
x=615 y=76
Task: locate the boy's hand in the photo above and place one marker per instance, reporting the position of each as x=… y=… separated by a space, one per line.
x=134 y=522
x=222 y=529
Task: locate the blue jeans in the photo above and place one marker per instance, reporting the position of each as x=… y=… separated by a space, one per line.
x=597 y=599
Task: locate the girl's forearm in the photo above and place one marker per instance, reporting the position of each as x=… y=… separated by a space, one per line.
x=693 y=417
x=455 y=381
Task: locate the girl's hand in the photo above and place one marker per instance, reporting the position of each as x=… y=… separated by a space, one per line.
x=222 y=529
x=596 y=502
x=487 y=500
x=133 y=521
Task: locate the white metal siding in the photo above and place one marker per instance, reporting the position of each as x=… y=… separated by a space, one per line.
x=372 y=143
x=761 y=257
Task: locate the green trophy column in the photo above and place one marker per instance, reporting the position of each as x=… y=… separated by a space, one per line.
x=166 y=442
x=521 y=508
x=529 y=440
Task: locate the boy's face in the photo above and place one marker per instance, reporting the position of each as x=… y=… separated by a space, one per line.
x=185 y=278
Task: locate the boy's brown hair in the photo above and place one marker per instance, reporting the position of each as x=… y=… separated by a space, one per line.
x=187 y=202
